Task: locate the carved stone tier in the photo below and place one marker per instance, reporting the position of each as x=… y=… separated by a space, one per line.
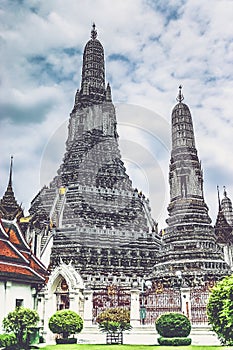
x=101 y=222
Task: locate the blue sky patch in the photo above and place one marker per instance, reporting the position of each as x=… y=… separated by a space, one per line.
x=118 y=57
x=169 y=11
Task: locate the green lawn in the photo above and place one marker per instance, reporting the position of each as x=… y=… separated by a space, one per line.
x=130 y=347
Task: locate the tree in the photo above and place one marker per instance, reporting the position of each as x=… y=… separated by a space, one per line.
x=220 y=310
x=20 y=321
x=65 y=322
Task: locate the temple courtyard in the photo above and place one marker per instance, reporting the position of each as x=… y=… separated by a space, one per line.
x=143 y=337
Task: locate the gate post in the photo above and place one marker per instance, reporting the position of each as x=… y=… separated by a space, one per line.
x=135 y=307
x=88 y=307
x=185 y=301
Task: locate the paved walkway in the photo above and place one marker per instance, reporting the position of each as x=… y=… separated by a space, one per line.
x=144 y=335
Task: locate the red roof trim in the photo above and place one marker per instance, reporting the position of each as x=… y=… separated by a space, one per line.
x=20 y=268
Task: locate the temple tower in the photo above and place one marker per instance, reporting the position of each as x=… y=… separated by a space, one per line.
x=190 y=260
x=224 y=227
x=9 y=208
x=92 y=215
x=189 y=243
x=226 y=206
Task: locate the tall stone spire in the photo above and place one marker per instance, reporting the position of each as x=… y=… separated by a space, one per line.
x=185 y=174
x=189 y=242
x=91 y=201
x=223 y=229
x=9 y=208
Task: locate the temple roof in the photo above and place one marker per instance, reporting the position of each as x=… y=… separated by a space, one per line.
x=9 y=208
x=17 y=262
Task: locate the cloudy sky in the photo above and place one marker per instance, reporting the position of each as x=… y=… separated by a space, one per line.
x=151 y=47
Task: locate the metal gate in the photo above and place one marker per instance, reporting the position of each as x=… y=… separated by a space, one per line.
x=198 y=300
x=156 y=302
x=111 y=296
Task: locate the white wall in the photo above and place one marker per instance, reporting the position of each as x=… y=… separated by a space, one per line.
x=9 y=292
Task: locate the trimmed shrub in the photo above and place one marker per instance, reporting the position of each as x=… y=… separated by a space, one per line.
x=173 y=324
x=114 y=320
x=65 y=322
x=7 y=340
x=174 y=341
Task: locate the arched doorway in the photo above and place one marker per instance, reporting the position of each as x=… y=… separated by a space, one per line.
x=64 y=290
x=62 y=295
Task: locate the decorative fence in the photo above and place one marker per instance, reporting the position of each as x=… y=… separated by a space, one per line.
x=154 y=303
x=198 y=300
x=112 y=296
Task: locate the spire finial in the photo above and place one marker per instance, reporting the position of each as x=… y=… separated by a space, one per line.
x=219 y=203
x=10 y=175
x=224 y=191
x=93 y=32
x=180 y=96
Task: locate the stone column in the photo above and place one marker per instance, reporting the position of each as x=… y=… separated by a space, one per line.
x=46 y=316
x=74 y=301
x=185 y=301
x=88 y=307
x=135 y=308
x=49 y=310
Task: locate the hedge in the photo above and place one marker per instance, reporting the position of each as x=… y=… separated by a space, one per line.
x=174 y=341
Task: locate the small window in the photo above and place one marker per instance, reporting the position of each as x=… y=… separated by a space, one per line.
x=18 y=302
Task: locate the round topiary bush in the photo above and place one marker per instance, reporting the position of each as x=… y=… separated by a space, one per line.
x=65 y=322
x=172 y=325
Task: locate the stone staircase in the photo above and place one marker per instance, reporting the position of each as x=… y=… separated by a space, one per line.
x=147 y=335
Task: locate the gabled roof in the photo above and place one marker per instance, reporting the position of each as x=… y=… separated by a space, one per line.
x=17 y=262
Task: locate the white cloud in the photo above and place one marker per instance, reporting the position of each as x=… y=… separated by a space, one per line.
x=187 y=42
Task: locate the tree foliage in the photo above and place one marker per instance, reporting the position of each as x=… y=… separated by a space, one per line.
x=7 y=340
x=114 y=320
x=220 y=310
x=173 y=324
x=65 y=322
x=20 y=321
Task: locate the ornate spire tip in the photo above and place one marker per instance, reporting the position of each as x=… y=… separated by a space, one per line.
x=224 y=191
x=219 y=203
x=180 y=96
x=10 y=175
x=93 y=32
